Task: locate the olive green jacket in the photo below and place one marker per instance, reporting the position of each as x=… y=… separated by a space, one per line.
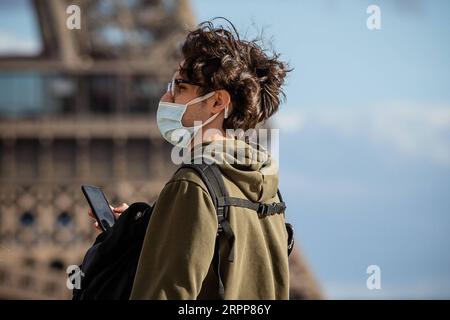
x=176 y=257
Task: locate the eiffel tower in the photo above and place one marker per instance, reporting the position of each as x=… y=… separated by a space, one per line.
x=80 y=109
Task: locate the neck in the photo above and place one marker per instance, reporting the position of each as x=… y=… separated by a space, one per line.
x=209 y=135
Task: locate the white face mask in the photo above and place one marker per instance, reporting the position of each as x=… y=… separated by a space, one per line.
x=168 y=118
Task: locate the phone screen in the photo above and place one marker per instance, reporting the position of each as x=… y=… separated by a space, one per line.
x=99 y=205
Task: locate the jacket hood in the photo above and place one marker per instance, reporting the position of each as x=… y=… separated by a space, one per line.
x=250 y=167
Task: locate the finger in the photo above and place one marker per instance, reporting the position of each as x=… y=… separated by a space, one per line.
x=121 y=208
x=97 y=226
x=90 y=213
x=116 y=214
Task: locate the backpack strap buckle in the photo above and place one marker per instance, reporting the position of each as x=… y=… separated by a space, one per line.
x=263 y=209
x=266 y=209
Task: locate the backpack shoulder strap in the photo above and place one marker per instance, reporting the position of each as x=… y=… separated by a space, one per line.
x=212 y=177
x=214 y=183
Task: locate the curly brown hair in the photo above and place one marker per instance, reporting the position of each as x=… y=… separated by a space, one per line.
x=217 y=58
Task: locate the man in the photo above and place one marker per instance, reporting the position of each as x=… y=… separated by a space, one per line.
x=223 y=82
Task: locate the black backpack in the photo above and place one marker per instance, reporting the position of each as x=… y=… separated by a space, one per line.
x=109 y=265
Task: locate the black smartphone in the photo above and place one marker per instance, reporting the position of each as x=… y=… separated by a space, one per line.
x=100 y=206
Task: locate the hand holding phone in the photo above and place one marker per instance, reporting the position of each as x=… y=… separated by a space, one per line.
x=100 y=206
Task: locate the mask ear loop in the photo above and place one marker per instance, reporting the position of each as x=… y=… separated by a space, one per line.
x=201 y=98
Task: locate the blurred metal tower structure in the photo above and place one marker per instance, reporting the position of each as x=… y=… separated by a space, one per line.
x=80 y=111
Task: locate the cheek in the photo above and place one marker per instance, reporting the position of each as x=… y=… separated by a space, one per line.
x=193 y=113
x=188 y=117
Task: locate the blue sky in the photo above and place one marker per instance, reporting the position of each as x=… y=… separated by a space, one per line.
x=365 y=134
x=365 y=138
x=18 y=38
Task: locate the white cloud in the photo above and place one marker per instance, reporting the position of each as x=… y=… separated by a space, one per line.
x=414 y=130
x=314 y=187
x=288 y=121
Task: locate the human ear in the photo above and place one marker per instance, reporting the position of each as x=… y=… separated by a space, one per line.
x=222 y=100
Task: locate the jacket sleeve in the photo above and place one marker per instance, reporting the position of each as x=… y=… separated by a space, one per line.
x=179 y=244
